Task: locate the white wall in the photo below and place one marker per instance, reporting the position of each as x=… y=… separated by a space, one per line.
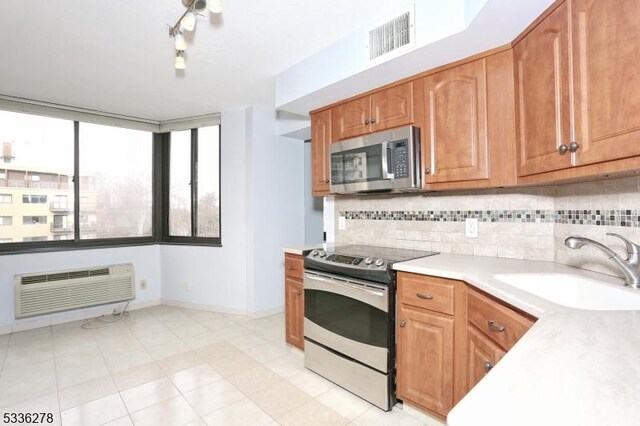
x=145 y=259
x=313 y=206
x=217 y=275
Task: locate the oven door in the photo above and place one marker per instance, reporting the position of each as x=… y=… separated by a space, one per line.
x=348 y=316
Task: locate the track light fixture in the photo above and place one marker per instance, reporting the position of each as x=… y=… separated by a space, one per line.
x=187 y=22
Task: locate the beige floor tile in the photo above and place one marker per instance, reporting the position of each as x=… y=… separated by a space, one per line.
x=86 y=392
x=312 y=413
x=22 y=384
x=167 y=349
x=279 y=399
x=46 y=403
x=376 y=417
x=311 y=383
x=254 y=380
x=76 y=374
x=213 y=396
x=217 y=323
x=344 y=403
x=195 y=377
x=197 y=422
x=137 y=376
x=148 y=394
x=286 y=366
x=176 y=363
x=96 y=412
x=241 y=413
x=175 y=411
x=188 y=330
x=122 y=421
x=267 y=352
x=230 y=332
x=201 y=340
x=234 y=364
x=217 y=350
x=247 y=341
x=127 y=360
x=157 y=338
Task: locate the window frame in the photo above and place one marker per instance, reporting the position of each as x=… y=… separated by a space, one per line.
x=159 y=203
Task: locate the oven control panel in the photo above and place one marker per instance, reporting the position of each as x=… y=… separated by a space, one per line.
x=363 y=262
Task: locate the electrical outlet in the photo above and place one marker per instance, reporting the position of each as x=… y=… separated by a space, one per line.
x=143 y=284
x=342 y=223
x=186 y=286
x=471 y=228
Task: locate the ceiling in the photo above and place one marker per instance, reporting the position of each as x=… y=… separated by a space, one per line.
x=117 y=57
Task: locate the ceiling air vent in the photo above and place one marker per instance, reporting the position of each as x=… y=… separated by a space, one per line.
x=390 y=36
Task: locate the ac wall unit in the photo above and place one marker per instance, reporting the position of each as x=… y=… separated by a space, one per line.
x=48 y=292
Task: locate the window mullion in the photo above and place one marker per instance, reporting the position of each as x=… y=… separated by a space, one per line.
x=194 y=182
x=76 y=181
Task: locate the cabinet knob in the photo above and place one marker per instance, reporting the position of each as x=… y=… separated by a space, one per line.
x=427 y=170
x=487 y=366
x=494 y=327
x=373 y=121
x=403 y=323
x=299 y=292
x=573 y=146
x=366 y=121
x=562 y=149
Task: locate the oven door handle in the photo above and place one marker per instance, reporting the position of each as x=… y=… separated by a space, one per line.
x=344 y=283
x=387 y=168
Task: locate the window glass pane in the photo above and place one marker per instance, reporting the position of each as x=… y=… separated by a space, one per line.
x=115 y=182
x=180 y=184
x=36 y=165
x=209 y=182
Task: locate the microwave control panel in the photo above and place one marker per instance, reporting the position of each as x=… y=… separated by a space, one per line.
x=400 y=160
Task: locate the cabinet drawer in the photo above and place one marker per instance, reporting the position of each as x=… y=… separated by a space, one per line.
x=432 y=293
x=293 y=266
x=502 y=324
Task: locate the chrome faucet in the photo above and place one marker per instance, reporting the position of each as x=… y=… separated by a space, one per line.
x=628 y=266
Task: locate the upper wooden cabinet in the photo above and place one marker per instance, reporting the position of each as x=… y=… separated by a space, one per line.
x=606 y=70
x=542 y=96
x=468 y=133
x=320 y=140
x=577 y=91
x=385 y=109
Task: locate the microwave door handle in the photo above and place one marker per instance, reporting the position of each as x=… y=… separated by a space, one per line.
x=387 y=166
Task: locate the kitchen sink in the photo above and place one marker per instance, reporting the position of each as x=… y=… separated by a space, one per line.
x=574 y=291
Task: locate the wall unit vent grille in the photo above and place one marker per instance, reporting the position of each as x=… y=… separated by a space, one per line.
x=44 y=293
x=390 y=36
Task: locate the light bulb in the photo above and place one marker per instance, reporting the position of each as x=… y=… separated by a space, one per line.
x=179 y=41
x=180 y=64
x=189 y=21
x=215 y=6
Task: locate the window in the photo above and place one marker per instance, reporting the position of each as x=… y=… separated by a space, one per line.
x=115 y=182
x=6 y=198
x=6 y=220
x=194 y=185
x=34 y=199
x=6 y=240
x=42 y=238
x=34 y=220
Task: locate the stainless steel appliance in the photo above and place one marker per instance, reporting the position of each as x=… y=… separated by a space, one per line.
x=383 y=161
x=349 y=317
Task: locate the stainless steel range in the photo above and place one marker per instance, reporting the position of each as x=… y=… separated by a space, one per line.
x=349 y=317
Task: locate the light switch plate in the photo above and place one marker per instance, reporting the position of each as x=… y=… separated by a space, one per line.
x=342 y=223
x=471 y=228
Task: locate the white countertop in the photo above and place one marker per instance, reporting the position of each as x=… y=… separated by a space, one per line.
x=573 y=367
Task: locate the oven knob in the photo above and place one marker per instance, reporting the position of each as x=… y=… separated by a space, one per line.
x=379 y=262
x=368 y=260
x=322 y=253
x=314 y=253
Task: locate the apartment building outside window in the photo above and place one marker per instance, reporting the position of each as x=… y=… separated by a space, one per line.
x=34 y=199
x=6 y=220
x=6 y=198
x=34 y=220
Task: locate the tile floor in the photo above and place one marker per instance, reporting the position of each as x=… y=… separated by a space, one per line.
x=171 y=366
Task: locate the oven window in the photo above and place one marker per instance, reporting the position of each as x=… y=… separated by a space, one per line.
x=357 y=165
x=347 y=317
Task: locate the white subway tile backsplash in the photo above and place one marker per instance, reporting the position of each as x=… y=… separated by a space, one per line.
x=521 y=223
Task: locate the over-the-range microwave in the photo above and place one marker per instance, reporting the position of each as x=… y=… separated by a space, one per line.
x=382 y=161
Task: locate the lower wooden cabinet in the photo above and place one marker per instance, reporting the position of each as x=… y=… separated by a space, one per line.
x=425 y=358
x=482 y=356
x=294 y=302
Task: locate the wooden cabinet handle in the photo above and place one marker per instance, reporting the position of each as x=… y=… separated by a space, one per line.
x=494 y=327
x=424 y=296
x=562 y=149
x=299 y=292
x=573 y=146
x=403 y=323
x=366 y=121
x=487 y=366
x=373 y=121
x=326 y=181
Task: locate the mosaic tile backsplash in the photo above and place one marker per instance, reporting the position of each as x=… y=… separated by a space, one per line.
x=523 y=223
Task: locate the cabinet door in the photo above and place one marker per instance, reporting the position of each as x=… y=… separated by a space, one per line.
x=482 y=354
x=351 y=118
x=425 y=358
x=294 y=312
x=320 y=140
x=392 y=107
x=542 y=96
x=606 y=70
x=456 y=124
